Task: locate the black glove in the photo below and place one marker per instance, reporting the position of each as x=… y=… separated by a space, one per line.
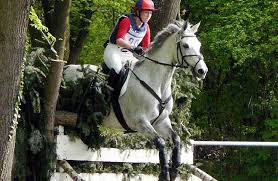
x=139 y=50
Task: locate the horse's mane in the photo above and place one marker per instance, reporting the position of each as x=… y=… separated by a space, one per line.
x=161 y=36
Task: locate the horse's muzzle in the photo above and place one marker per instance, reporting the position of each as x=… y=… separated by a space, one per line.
x=200 y=70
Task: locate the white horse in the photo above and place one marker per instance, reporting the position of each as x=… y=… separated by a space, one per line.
x=146 y=101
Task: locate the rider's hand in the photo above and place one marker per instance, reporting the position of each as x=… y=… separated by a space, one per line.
x=139 y=50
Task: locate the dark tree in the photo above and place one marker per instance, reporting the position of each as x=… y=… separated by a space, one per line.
x=13 y=27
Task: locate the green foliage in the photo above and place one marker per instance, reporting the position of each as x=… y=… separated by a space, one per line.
x=36 y=141
x=185 y=89
x=36 y=69
x=104 y=18
x=239 y=101
x=127 y=168
x=37 y=24
x=30 y=142
x=86 y=97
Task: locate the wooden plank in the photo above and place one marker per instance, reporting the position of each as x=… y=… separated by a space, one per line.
x=112 y=177
x=235 y=143
x=78 y=151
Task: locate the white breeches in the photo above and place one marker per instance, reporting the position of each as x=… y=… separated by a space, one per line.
x=115 y=57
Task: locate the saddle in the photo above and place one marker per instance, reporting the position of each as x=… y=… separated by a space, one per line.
x=117 y=81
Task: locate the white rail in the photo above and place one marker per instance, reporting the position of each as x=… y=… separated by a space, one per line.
x=234 y=143
x=76 y=150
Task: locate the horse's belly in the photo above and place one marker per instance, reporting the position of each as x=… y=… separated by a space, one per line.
x=111 y=121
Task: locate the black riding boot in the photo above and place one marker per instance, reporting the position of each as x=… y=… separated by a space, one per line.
x=113 y=79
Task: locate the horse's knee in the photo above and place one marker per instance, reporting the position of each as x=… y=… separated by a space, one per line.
x=159 y=143
x=176 y=139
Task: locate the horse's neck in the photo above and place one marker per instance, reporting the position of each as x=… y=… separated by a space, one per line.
x=159 y=77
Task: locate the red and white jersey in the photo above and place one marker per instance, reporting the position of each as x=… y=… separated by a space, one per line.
x=127 y=29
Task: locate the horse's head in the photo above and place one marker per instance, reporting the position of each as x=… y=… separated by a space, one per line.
x=188 y=50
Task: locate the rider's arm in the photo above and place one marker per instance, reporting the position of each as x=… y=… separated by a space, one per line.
x=124 y=26
x=123 y=43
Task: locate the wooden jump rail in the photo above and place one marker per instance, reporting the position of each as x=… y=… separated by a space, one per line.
x=78 y=151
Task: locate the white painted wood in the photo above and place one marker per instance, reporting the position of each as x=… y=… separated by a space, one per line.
x=61 y=130
x=235 y=143
x=74 y=72
x=112 y=177
x=77 y=150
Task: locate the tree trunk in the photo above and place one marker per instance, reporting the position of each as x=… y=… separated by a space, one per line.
x=168 y=12
x=62 y=9
x=13 y=27
x=65 y=118
x=51 y=92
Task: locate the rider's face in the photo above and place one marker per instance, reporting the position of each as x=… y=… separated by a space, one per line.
x=146 y=15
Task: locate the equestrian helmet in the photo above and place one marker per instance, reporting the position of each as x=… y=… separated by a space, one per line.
x=145 y=5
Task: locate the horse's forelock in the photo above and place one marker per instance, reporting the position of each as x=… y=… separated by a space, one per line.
x=161 y=36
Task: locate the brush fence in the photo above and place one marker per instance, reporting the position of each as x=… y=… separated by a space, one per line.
x=78 y=151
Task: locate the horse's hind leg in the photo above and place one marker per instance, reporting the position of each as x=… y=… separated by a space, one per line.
x=147 y=129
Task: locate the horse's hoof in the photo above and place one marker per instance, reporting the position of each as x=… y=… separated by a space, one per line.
x=173 y=177
x=163 y=177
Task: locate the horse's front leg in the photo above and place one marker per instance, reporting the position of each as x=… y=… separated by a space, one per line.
x=165 y=129
x=176 y=156
x=164 y=171
x=146 y=128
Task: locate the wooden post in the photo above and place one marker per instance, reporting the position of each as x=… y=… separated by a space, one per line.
x=200 y=173
x=69 y=170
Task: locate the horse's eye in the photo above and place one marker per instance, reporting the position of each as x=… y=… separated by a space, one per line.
x=185 y=45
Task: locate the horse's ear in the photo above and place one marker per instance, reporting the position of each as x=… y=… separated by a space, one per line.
x=185 y=25
x=194 y=28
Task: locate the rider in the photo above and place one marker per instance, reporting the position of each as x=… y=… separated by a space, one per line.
x=131 y=32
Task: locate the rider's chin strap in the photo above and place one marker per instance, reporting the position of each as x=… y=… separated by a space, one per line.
x=138 y=14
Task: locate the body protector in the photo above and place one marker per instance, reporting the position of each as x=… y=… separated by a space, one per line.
x=134 y=35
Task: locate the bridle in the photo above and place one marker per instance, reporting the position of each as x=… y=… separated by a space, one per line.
x=181 y=63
